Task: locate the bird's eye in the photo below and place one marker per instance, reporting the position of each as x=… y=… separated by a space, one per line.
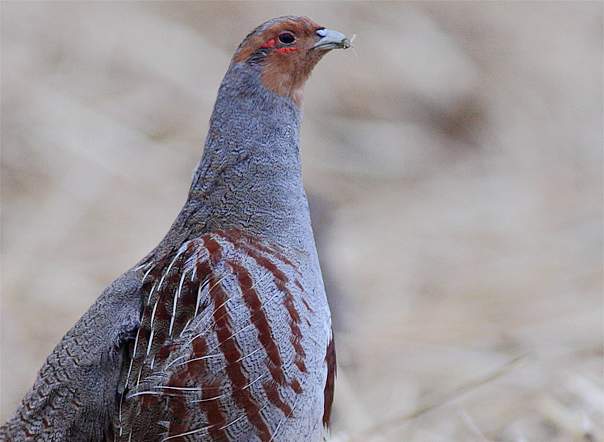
x=287 y=38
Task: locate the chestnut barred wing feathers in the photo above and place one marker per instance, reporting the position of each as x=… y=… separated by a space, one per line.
x=226 y=348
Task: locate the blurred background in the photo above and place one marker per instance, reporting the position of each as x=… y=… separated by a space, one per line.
x=454 y=165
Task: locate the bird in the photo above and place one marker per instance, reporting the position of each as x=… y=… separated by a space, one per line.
x=223 y=331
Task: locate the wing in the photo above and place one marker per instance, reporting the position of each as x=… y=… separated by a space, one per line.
x=73 y=396
x=231 y=347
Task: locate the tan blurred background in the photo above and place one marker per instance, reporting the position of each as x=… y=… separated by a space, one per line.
x=454 y=160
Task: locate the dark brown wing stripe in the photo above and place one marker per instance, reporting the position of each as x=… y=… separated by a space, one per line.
x=260 y=321
x=231 y=351
x=272 y=392
x=258 y=317
x=330 y=360
x=211 y=388
x=281 y=281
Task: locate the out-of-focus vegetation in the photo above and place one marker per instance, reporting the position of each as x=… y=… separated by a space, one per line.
x=454 y=160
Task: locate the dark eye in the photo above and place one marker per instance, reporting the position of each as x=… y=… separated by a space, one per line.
x=287 y=38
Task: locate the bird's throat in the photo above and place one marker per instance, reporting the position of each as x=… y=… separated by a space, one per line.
x=250 y=173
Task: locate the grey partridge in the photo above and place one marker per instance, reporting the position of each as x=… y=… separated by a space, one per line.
x=223 y=331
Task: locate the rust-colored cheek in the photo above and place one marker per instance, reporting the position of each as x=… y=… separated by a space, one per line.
x=286 y=70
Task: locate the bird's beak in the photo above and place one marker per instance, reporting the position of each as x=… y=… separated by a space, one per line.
x=330 y=39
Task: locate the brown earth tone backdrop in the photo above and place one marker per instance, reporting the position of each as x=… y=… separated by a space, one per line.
x=454 y=161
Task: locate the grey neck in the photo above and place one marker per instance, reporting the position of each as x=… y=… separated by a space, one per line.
x=250 y=175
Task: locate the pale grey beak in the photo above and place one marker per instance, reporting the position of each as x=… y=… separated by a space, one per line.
x=330 y=39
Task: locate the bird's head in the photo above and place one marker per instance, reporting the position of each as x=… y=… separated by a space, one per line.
x=285 y=50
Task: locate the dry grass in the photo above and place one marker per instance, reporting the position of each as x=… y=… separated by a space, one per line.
x=455 y=165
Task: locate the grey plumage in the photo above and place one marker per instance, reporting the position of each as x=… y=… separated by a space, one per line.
x=75 y=392
x=223 y=331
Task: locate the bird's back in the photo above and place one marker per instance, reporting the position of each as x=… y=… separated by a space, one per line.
x=233 y=345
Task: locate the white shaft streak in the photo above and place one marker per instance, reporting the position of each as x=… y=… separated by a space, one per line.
x=133 y=356
x=176 y=297
x=150 y=342
x=161 y=281
x=211 y=325
x=202 y=287
x=216 y=346
x=207 y=427
x=151 y=293
x=284 y=418
x=147 y=273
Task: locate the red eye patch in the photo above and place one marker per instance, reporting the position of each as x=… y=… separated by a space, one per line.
x=269 y=44
x=272 y=43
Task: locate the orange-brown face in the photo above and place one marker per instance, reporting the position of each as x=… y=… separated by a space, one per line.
x=287 y=49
